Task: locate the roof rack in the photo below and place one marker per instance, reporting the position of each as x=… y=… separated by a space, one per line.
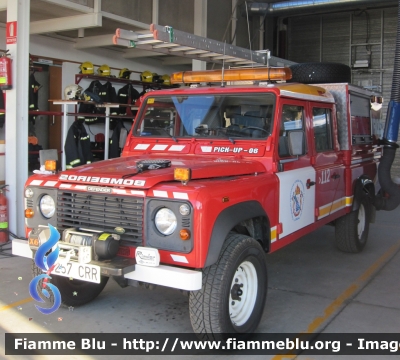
x=165 y=39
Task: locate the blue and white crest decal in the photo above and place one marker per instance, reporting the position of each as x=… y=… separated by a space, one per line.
x=297 y=199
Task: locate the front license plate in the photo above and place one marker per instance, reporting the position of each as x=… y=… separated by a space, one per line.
x=78 y=271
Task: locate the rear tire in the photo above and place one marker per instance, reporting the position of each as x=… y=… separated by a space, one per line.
x=73 y=292
x=314 y=73
x=351 y=230
x=234 y=290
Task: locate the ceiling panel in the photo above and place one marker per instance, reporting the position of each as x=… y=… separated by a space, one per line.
x=41 y=10
x=109 y=26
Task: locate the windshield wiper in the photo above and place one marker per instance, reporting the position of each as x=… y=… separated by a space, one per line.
x=223 y=133
x=165 y=129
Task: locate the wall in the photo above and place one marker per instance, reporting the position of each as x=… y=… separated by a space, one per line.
x=328 y=38
x=248 y=28
x=139 y=10
x=218 y=20
x=177 y=13
x=335 y=38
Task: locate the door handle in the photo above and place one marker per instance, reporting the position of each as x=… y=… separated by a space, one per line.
x=309 y=183
x=335 y=176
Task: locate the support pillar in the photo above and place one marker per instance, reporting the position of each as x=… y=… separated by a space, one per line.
x=155 y=12
x=200 y=28
x=16 y=127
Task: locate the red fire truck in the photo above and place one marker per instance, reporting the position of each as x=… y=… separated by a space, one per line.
x=212 y=178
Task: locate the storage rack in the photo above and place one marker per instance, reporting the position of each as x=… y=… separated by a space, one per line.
x=143 y=85
x=66 y=113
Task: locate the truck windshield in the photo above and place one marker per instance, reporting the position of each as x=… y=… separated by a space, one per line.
x=247 y=116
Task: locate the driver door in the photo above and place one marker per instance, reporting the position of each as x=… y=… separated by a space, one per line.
x=297 y=176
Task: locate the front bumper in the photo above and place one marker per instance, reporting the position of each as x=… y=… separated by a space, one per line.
x=164 y=275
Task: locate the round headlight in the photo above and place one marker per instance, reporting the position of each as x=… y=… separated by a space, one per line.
x=165 y=221
x=184 y=209
x=28 y=193
x=47 y=206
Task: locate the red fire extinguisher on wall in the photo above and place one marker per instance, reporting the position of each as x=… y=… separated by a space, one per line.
x=3 y=215
x=5 y=71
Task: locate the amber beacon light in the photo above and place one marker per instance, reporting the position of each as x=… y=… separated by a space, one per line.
x=253 y=74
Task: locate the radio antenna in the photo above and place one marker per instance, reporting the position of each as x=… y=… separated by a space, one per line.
x=223 y=67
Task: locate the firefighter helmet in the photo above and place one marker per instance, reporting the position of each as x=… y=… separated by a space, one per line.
x=87 y=68
x=124 y=73
x=104 y=70
x=73 y=92
x=146 y=76
x=166 y=79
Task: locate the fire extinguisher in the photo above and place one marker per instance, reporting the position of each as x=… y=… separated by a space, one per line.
x=3 y=215
x=5 y=71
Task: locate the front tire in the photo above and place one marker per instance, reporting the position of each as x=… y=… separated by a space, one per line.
x=78 y=292
x=234 y=291
x=351 y=230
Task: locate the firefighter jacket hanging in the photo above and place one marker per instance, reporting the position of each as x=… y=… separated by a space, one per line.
x=77 y=146
x=34 y=87
x=98 y=93
x=126 y=95
x=117 y=139
x=86 y=109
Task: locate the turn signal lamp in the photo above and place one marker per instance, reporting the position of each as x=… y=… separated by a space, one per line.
x=50 y=165
x=253 y=74
x=184 y=234
x=182 y=174
x=29 y=213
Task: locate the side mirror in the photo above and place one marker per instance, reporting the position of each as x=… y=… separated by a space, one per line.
x=296 y=142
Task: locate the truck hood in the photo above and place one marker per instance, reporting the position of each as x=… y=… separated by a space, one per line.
x=123 y=171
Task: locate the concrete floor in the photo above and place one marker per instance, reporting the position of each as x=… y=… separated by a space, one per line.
x=313 y=287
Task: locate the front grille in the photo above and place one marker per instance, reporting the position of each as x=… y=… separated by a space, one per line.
x=101 y=212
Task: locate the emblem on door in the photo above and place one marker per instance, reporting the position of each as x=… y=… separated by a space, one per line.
x=297 y=199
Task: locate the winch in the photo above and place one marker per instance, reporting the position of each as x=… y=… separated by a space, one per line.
x=86 y=245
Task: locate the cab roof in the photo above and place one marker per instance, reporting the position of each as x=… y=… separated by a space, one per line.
x=292 y=90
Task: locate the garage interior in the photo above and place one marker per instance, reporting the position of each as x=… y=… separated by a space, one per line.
x=312 y=286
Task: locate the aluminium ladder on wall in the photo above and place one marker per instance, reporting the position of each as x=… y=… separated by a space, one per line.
x=165 y=39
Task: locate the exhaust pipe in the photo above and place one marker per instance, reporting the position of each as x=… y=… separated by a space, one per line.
x=390 y=137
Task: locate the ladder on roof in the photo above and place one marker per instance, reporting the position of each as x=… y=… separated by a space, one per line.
x=165 y=39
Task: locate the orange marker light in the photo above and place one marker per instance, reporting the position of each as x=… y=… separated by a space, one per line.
x=182 y=174
x=184 y=234
x=50 y=165
x=29 y=213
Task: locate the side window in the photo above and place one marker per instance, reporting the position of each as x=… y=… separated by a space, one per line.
x=292 y=119
x=322 y=129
